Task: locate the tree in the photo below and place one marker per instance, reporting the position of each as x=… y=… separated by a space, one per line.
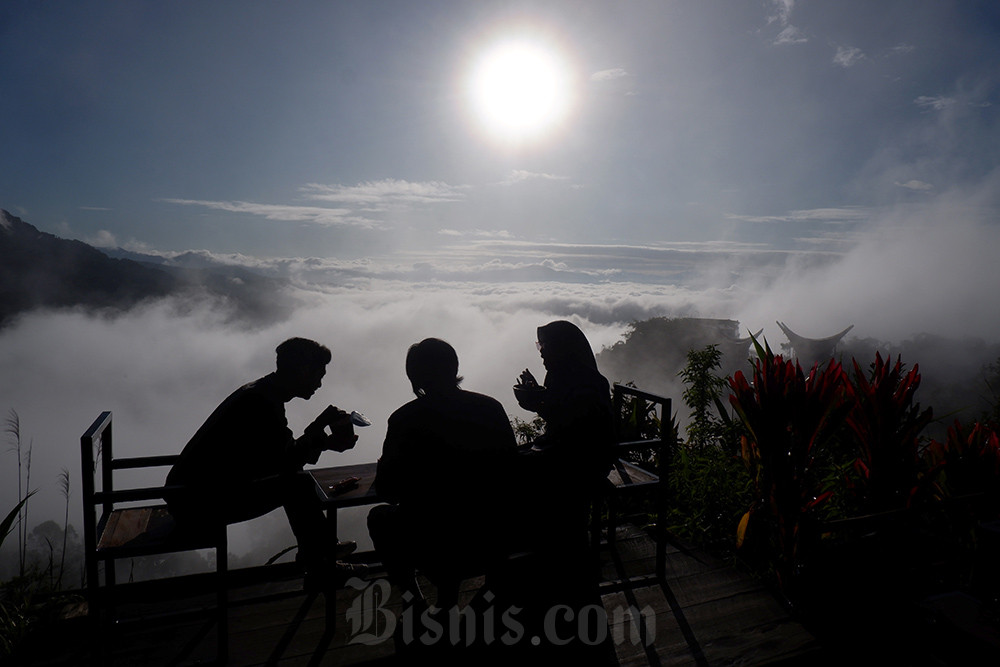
x=704 y=389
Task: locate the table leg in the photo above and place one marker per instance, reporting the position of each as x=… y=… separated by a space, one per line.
x=331 y=522
x=330 y=594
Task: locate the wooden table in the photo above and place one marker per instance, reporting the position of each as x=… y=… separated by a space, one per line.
x=362 y=494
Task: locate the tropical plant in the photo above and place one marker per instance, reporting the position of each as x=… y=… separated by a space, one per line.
x=968 y=460
x=886 y=424
x=788 y=417
x=709 y=491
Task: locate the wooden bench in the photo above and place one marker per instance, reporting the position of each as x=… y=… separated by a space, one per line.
x=627 y=479
x=126 y=530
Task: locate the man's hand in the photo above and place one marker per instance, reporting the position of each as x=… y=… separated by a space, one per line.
x=340 y=437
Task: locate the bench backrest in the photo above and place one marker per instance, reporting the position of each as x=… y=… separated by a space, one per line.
x=100 y=497
x=648 y=426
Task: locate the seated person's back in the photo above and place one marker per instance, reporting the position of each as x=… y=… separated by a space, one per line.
x=448 y=455
x=444 y=468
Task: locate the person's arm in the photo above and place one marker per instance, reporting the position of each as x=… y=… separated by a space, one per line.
x=315 y=439
x=393 y=473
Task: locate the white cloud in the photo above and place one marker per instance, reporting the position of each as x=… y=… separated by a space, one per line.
x=934 y=103
x=783 y=11
x=781 y=17
x=846 y=214
x=522 y=175
x=478 y=233
x=103 y=239
x=382 y=194
x=358 y=202
x=848 y=56
x=790 y=35
x=609 y=75
x=916 y=185
x=285 y=212
x=916 y=269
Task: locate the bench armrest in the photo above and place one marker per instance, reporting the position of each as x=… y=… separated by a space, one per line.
x=129 y=495
x=144 y=461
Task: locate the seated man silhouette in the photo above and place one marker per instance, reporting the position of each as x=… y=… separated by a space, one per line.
x=244 y=461
x=443 y=468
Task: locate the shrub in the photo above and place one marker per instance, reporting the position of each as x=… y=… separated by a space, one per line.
x=789 y=418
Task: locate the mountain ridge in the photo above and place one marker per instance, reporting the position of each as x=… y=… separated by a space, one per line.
x=40 y=270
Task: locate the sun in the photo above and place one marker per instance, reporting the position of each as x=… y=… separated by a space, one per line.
x=519 y=90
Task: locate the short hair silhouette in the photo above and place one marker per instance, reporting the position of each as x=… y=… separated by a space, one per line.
x=430 y=364
x=299 y=352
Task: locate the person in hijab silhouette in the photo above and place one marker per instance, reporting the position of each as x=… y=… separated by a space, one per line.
x=574 y=399
x=563 y=469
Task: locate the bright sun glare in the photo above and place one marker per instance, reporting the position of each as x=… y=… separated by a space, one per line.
x=520 y=90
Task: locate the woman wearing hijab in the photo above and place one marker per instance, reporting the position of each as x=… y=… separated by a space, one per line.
x=575 y=402
x=565 y=466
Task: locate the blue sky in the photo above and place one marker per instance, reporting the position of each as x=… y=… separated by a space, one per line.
x=824 y=164
x=343 y=129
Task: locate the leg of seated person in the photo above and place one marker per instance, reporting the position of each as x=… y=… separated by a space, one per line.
x=307 y=521
x=393 y=541
x=196 y=514
x=294 y=493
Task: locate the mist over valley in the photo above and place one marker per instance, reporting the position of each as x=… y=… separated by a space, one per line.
x=162 y=361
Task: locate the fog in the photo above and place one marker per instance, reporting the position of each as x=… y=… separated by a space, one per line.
x=928 y=268
x=161 y=369
x=161 y=373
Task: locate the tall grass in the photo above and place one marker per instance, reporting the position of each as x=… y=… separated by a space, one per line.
x=12 y=427
x=34 y=593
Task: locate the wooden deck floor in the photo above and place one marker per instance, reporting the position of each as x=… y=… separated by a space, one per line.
x=705 y=613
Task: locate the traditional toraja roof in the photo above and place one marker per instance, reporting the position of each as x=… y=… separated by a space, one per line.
x=811 y=350
x=734 y=345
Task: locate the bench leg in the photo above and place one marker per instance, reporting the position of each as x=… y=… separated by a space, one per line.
x=661 y=535
x=612 y=519
x=222 y=595
x=595 y=524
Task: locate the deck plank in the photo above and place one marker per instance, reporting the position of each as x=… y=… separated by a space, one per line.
x=705 y=613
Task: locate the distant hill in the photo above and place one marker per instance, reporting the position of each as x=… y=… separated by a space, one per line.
x=654 y=351
x=40 y=270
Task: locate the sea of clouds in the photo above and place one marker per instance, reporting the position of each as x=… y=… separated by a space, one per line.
x=163 y=367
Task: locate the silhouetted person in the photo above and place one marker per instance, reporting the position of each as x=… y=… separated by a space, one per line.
x=445 y=470
x=563 y=469
x=576 y=448
x=244 y=461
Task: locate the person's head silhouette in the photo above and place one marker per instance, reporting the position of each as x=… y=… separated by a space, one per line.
x=432 y=367
x=563 y=345
x=300 y=366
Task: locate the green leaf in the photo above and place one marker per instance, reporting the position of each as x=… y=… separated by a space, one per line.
x=741 y=529
x=8 y=523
